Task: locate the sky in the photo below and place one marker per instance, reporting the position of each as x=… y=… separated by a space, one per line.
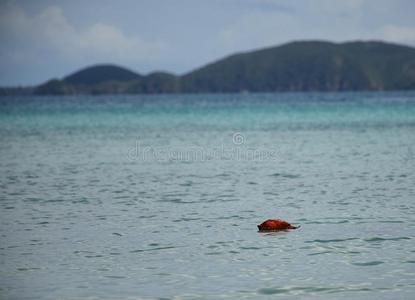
x=44 y=39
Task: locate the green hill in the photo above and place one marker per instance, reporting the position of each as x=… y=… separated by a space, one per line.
x=309 y=66
x=101 y=73
x=296 y=66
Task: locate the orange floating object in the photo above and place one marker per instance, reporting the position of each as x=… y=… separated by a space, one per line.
x=274 y=225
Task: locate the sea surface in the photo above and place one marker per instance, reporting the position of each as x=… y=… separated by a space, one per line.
x=158 y=197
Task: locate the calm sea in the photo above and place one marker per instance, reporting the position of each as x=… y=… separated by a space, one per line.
x=158 y=197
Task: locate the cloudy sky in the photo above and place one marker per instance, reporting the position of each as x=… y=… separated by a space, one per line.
x=44 y=39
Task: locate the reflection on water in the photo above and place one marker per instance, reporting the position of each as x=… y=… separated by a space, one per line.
x=80 y=218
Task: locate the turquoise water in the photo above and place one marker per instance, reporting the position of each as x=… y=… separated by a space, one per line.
x=158 y=197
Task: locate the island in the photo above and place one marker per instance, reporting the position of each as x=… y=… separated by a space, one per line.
x=295 y=66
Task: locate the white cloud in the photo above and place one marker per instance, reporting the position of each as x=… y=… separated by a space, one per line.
x=50 y=34
x=314 y=20
x=257 y=29
x=262 y=28
x=398 y=34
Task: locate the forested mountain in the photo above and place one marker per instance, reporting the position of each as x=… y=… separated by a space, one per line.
x=296 y=66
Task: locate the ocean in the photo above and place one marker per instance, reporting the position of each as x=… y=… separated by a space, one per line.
x=159 y=197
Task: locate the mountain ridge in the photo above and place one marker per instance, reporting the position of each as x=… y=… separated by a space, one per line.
x=295 y=66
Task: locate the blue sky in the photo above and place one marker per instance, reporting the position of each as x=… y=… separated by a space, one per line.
x=46 y=39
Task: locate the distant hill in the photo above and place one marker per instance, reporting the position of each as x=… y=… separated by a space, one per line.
x=309 y=66
x=101 y=73
x=296 y=66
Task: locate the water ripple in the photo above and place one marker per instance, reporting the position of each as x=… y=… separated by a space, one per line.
x=286 y=175
x=331 y=240
x=369 y=263
x=152 y=249
x=301 y=290
x=382 y=239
